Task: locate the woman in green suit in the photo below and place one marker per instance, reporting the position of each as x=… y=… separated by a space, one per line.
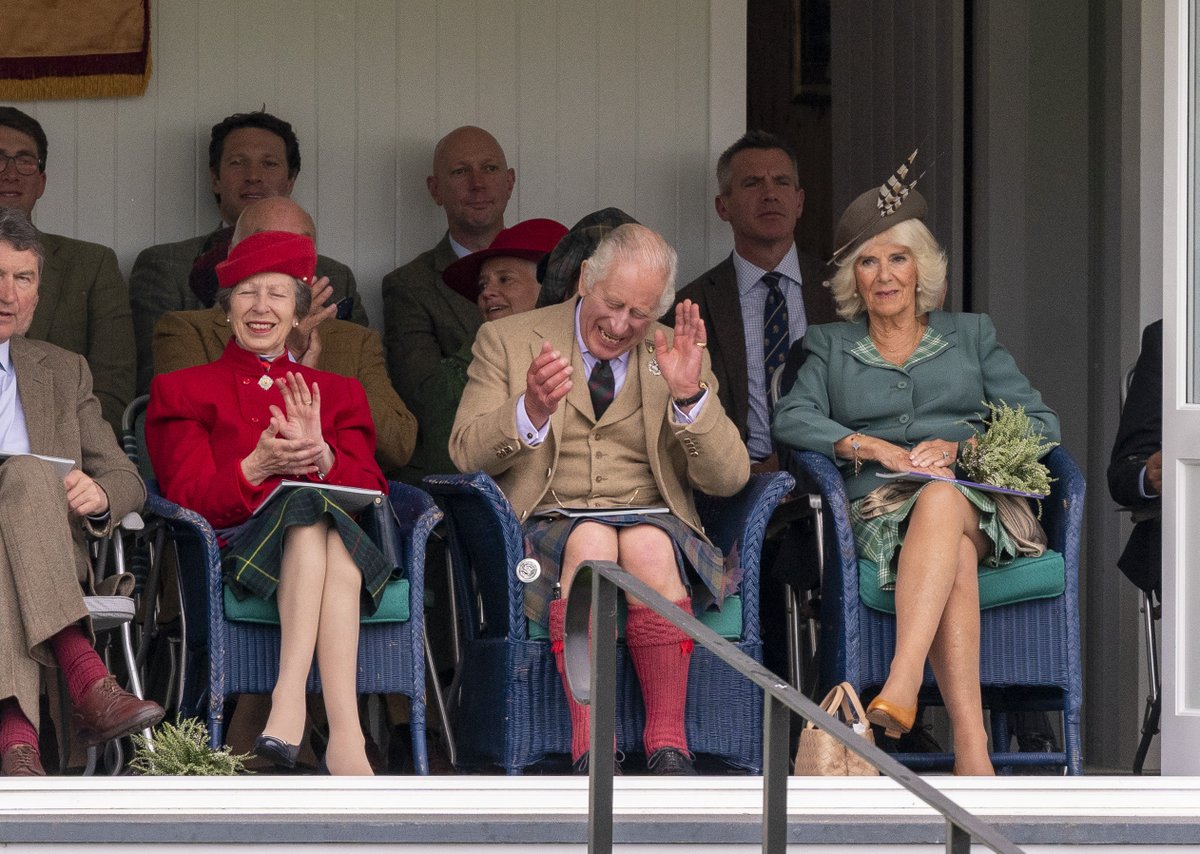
x=899 y=387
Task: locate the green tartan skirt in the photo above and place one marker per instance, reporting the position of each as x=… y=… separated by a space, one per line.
x=880 y=537
x=252 y=559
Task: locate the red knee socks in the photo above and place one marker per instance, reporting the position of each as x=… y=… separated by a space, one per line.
x=15 y=728
x=80 y=664
x=580 y=714
x=661 y=654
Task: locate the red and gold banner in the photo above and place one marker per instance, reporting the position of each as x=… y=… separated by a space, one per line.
x=73 y=48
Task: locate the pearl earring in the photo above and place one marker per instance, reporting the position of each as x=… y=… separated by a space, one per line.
x=228 y=319
x=295 y=323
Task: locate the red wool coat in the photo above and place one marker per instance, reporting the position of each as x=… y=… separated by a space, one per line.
x=203 y=421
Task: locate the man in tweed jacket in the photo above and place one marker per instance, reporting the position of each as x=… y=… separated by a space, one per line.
x=589 y=404
x=47 y=408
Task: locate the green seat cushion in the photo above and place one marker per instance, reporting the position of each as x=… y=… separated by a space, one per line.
x=727 y=622
x=1025 y=578
x=393 y=607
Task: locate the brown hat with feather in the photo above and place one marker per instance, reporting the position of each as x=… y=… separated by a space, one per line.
x=877 y=210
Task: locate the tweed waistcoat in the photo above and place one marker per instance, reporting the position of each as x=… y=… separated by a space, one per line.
x=604 y=463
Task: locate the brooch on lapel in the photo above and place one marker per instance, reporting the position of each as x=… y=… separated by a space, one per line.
x=652 y=367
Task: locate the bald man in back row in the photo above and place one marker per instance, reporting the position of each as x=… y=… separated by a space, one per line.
x=424 y=319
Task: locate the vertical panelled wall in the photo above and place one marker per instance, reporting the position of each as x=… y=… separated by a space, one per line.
x=897 y=71
x=596 y=104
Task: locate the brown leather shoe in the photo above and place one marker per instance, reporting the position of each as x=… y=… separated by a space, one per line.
x=107 y=711
x=21 y=760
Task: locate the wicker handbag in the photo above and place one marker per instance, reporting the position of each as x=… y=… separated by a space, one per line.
x=822 y=755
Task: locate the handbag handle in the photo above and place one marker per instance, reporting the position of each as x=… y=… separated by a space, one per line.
x=852 y=708
x=842 y=701
x=834 y=700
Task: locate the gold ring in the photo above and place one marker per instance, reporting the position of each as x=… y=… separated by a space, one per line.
x=945 y=455
x=701 y=344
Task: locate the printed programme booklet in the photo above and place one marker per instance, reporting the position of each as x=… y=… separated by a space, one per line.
x=349 y=498
x=61 y=464
x=986 y=487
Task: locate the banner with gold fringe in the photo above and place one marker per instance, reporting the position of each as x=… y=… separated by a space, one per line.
x=54 y=49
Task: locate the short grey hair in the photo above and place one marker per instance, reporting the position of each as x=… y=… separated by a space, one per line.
x=18 y=232
x=931 y=270
x=633 y=242
x=303 y=293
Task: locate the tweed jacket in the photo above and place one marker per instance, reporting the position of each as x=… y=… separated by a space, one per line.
x=424 y=322
x=1138 y=436
x=43 y=565
x=705 y=455
x=716 y=292
x=159 y=283
x=63 y=419
x=83 y=306
x=940 y=396
x=203 y=421
x=183 y=339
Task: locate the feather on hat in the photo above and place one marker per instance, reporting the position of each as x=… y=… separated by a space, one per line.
x=877 y=210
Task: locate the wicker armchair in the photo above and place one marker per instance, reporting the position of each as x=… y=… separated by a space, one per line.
x=1029 y=653
x=512 y=711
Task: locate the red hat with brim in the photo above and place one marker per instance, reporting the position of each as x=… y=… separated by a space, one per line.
x=530 y=240
x=269 y=252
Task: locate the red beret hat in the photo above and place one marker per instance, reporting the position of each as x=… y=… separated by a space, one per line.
x=530 y=240
x=269 y=252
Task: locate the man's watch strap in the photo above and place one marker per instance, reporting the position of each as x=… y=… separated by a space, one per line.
x=695 y=398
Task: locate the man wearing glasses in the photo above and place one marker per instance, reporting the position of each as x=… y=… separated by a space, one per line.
x=83 y=303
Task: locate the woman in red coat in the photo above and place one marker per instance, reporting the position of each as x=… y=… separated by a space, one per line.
x=222 y=436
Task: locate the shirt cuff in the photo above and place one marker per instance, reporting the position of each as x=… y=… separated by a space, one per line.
x=1142 y=486
x=530 y=435
x=682 y=417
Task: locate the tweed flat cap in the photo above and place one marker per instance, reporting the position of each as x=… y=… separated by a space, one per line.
x=563 y=264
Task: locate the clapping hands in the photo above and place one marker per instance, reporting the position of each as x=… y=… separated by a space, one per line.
x=292 y=444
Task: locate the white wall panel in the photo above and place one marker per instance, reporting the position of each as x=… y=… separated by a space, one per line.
x=596 y=104
x=537 y=112
x=334 y=164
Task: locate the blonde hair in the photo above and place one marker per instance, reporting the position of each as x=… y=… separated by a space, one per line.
x=931 y=270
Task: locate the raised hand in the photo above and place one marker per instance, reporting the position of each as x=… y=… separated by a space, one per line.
x=299 y=339
x=681 y=361
x=301 y=417
x=546 y=383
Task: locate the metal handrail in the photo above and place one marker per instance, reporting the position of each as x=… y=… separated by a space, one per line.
x=592 y=677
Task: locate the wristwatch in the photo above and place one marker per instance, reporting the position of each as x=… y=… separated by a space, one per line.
x=695 y=398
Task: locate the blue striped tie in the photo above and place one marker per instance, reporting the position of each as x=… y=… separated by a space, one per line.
x=776 y=339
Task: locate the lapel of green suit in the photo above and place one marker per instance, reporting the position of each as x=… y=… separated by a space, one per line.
x=50 y=287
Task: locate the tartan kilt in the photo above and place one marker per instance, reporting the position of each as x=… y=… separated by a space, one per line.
x=880 y=538
x=546 y=540
x=252 y=560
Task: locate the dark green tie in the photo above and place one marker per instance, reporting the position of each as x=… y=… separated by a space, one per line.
x=601 y=385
